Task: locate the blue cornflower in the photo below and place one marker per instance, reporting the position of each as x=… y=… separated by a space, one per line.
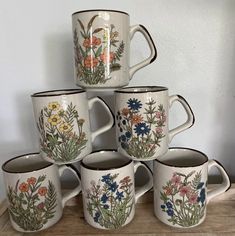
x=169 y=205
x=106 y=206
x=128 y=134
x=119 y=195
x=124 y=145
x=170 y=212
x=202 y=195
x=134 y=104
x=113 y=187
x=142 y=129
x=123 y=138
x=104 y=198
x=97 y=216
x=200 y=185
x=163 y=206
x=106 y=179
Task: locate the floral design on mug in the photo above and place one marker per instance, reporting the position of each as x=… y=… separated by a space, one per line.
x=141 y=132
x=183 y=199
x=99 y=54
x=110 y=203
x=32 y=204
x=57 y=132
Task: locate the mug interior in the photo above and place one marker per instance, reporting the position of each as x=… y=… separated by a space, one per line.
x=141 y=89
x=25 y=163
x=57 y=92
x=183 y=157
x=105 y=160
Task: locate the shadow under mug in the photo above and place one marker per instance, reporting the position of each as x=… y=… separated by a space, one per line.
x=63 y=122
x=33 y=189
x=180 y=187
x=108 y=187
x=102 y=48
x=141 y=114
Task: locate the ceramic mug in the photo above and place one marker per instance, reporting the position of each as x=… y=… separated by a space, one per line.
x=108 y=187
x=33 y=191
x=62 y=118
x=180 y=187
x=142 y=121
x=102 y=48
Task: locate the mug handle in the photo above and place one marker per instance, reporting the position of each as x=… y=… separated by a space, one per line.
x=72 y=193
x=226 y=184
x=147 y=186
x=190 y=121
x=153 y=50
x=111 y=121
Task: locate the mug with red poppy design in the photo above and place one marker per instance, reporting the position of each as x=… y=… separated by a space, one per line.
x=141 y=113
x=33 y=189
x=180 y=187
x=102 y=48
x=108 y=187
x=63 y=122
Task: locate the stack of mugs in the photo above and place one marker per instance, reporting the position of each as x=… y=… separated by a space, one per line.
x=107 y=177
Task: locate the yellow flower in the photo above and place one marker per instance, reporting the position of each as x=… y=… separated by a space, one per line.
x=64 y=127
x=54 y=119
x=54 y=106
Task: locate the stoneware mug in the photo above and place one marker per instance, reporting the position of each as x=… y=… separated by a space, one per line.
x=108 y=187
x=180 y=187
x=33 y=191
x=102 y=48
x=62 y=118
x=142 y=121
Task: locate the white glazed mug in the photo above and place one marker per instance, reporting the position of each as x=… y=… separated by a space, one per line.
x=108 y=187
x=102 y=48
x=62 y=118
x=180 y=187
x=33 y=189
x=141 y=113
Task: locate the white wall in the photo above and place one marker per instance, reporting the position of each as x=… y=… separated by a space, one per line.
x=196 y=58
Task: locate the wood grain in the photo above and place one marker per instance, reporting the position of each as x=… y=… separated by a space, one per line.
x=220 y=220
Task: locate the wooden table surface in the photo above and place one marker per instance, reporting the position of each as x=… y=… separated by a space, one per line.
x=220 y=220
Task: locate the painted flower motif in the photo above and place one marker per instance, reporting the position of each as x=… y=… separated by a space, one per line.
x=134 y=104
x=64 y=127
x=125 y=111
x=113 y=187
x=126 y=180
x=170 y=212
x=142 y=129
x=185 y=190
x=42 y=191
x=107 y=57
x=104 y=198
x=159 y=130
x=168 y=190
x=119 y=195
x=176 y=180
x=106 y=179
x=31 y=180
x=41 y=205
x=169 y=205
x=90 y=62
x=97 y=216
x=128 y=134
x=54 y=106
x=193 y=198
x=93 y=41
x=136 y=119
x=24 y=187
x=54 y=119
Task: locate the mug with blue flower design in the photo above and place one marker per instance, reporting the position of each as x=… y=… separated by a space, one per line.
x=108 y=187
x=180 y=187
x=141 y=112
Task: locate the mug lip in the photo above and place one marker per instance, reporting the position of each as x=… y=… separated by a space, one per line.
x=188 y=166
x=140 y=89
x=58 y=92
x=100 y=168
x=109 y=10
x=23 y=172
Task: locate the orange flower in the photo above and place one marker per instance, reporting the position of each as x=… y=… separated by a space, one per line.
x=136 y=119
x=90 y=62
x=125 y=111
x=107 y=58
x=24 y=187
x=93 y=41
x=42 y=191
x=31 y=180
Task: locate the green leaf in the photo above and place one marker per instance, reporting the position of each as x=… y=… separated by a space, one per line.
x=115 y=67
x=98 y=52
x=97 y=30
x=90 y=23
x=82 y=26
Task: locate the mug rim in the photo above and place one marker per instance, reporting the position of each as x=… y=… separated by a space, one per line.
x=188 y=166
x=23 y=172
x=129 y=161
x=141 y=89
x=109 y=10
x=60 y=92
